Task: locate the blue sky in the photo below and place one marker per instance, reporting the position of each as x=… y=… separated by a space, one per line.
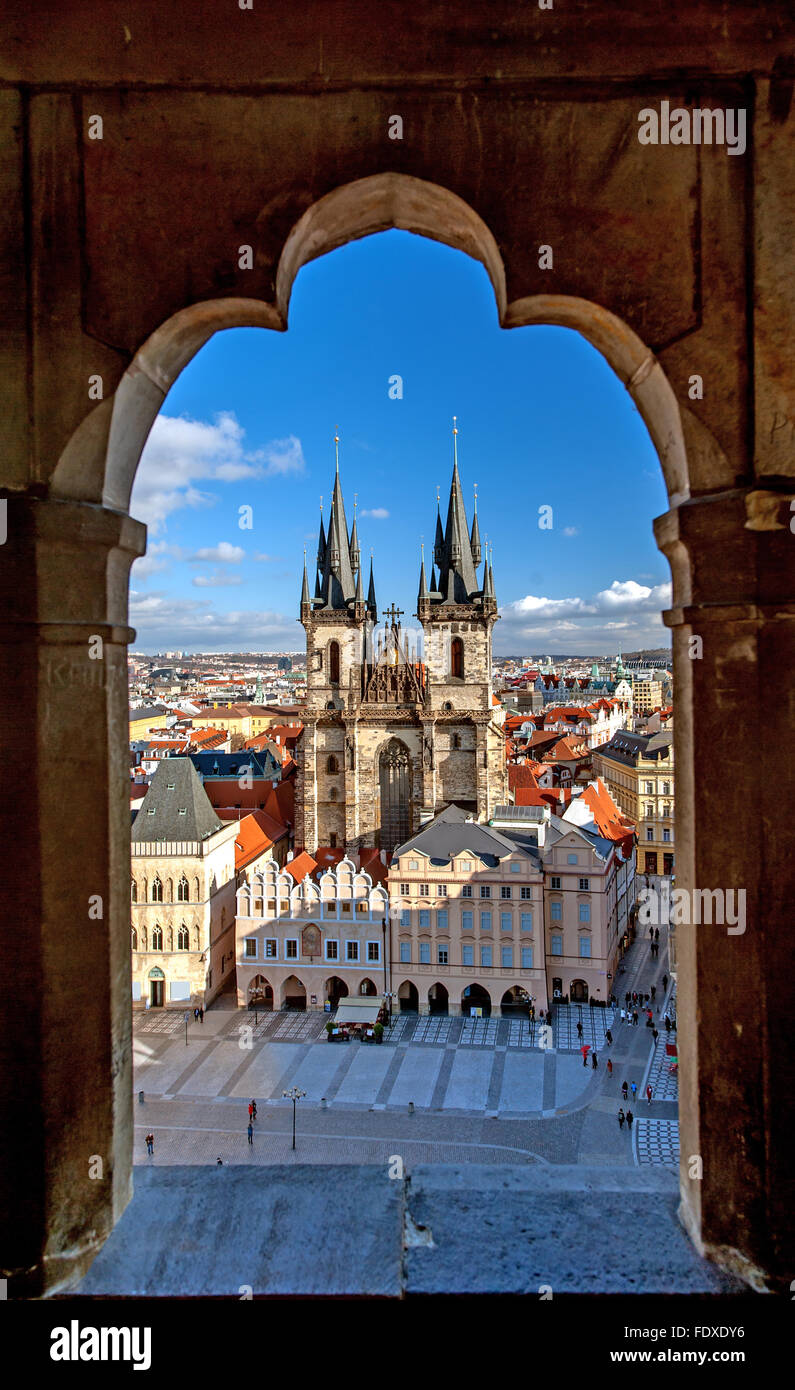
x=542 y=422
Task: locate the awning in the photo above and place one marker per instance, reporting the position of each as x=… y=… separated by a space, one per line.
x=352 y=1011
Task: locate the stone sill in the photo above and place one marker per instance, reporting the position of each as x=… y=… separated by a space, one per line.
x=344 y=1230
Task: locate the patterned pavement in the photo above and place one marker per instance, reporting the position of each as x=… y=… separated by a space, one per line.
x=656 y=1141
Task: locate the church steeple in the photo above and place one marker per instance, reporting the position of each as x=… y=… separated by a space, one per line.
x=305 y=586
x=423 y=589
x=337 y=587
x=356 y=554
x=474 y=539
x=458 y=582
x=371 y=603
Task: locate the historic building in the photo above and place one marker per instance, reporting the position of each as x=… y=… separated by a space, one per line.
x=397 y=727
x=638 y=770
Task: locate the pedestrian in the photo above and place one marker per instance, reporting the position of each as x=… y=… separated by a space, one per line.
x=665 y=983
x=635 y=1018
x=656 y=933
x=648 y=1095
x=634 y=996
x=651 y=933
x=579 y=1030
x=655 y=1034
x=630 y=1118
x=219 y=1162
x=650 y=1015
x=201 y=1013
x=250 y=1133
x=646 y=999
x=667 y=1024
x=653 y=991
x=585 y=1049
x=633 y=1088
x=251 y=1110
x=609 y=1037
x=594 y=1062
x=624 y=1089
x=623 y=1015
x=150 y=1144
x=254 y=1108
x=621 y=1119
x=196 y=1014
x=609 y=1067
x=627 y=998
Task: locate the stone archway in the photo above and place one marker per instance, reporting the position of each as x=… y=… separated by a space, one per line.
x=71 y=544
x=394 y=794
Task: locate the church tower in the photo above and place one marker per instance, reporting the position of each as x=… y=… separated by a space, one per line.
x=392 y=734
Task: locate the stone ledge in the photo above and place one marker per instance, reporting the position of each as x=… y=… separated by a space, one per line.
x=341 y=1231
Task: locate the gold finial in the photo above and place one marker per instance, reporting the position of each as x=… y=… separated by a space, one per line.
x=337 y=447
x=355 y=502
x=455 y=441
x=476 y=496
x=438 y=498
x=321 y=504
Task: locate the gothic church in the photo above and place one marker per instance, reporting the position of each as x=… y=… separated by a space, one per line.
x=396 y=729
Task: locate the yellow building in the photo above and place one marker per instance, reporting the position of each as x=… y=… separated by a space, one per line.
x=647 y=695
x=245 y=719
x=146 y=718
x=638 y=770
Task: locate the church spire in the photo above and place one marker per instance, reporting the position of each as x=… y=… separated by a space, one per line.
x=337 y=584
x=371 y=603
x=438 y=545
x=356 y=554
x=305 y=585
x=457 y=578
x=474 y=538
x=423 y=589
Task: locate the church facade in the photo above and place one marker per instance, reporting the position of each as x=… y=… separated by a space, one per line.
x=398 y=723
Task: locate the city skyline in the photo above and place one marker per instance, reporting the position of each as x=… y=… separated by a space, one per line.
x=251 y=421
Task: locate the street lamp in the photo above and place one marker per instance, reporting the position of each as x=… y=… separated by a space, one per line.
x=294 y=1095
x=187 y=1016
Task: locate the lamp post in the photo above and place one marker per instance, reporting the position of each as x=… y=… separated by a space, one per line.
x=187 y=1016
x=294 y=1095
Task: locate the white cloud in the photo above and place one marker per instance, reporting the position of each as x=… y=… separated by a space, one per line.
x=269 y=559
x=377 y=513
x=162 y=622
x=216 y=580
x=626 y=609
x=571 y=530
x=180 y=452
x=222 y=554
x=157 y=558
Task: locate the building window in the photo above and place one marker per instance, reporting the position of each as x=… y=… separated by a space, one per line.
x=649 y=810
x=332 y=764
x=556 y=912
x=585 y=885
x=405 y=952
x=404 y=890
x=649 y=788
x=332 y=840
x=134 y=939
x=441 y=890
x=332 y=950
x=425 y=889
x=555 y=882
x=373 y=952
x=584 y=912
x=183 y=942
x=157 y=938
x=133 y=892
x=527 y=921
x=650 y=832
x=526 y=891
x=405 y=918
x=667 y=836
x=516 y=868
x=506 y=922
x=442 y=955
x=425 y=919
x=291 y=950
x=505 y=890
x=467 y=921
x=441 y=919
x=456 y=740
x=334 y=662
x=585 y=946
x=466 y=891
x=157 y=891
x=485 y=921
x=183 y=891
x=572 y=859
x=507 y=957
x=332 y=796
x=251 y=947
x=351 y=950
x=457 y=659
x=485 y=955
x=413 y=866
x=666 y=788
x=270 y=948
x=485 y=890
x=556 y=944
x=425 y=953
x=468 y=955
x=527 y=957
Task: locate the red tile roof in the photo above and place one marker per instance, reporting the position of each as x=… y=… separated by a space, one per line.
x=257 y=833
x=300 y=866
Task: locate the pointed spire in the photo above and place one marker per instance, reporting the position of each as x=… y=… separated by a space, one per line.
x=337 y=587
x=321 y=544
x=356 y=554
x=474 y=538
x=305 y=585
x=457 y=578
x=359 y=596
x=423 y=590
x=371 y=603
x=438 y=545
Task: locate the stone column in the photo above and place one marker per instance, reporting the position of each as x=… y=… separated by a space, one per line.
x=66 y=1024
x=734 y=713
